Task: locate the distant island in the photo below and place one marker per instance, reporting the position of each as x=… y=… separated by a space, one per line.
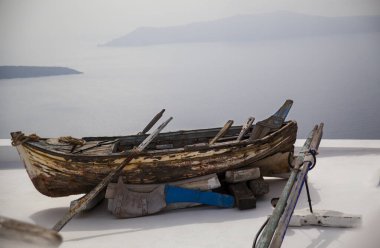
x=250 y=28
x=8 y=72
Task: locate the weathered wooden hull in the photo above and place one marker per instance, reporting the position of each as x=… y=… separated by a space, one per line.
x=59 y=174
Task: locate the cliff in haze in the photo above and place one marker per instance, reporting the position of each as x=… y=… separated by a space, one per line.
x=249 y=28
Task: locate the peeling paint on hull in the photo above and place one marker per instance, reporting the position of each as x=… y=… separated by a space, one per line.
x=54 y=174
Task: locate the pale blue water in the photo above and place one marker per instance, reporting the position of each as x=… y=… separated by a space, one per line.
x=331 y=79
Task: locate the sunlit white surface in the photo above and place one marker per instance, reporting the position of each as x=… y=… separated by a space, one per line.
x=345 y=179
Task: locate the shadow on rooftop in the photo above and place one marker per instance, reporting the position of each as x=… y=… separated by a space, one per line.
x=100 y=219
x=326 y=235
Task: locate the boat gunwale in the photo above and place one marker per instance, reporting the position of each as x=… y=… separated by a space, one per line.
x=221 y=145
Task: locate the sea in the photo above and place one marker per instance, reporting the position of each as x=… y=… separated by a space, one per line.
x=331 y=79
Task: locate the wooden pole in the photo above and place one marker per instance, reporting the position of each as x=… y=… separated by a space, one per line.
x=283 y=223
x=82 y=203
x=245 y=128
x=271 y=226
x=152 y=122
x=222 y=132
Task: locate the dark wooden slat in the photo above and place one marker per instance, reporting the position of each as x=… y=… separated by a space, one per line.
x=258 y=186
x=244 y=197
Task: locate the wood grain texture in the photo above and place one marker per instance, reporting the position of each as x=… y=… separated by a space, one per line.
x=56 y=172
x=244 y=198
x=222 y=132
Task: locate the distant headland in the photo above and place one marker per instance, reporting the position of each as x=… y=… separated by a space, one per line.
x=9 y=72
x=250 y=28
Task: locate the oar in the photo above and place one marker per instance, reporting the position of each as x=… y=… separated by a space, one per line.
x=222 y=132
x=152 y=122
x=302 y=170
x=81 y=204
x=245 y=128
x=270 y=228
x=15 y=233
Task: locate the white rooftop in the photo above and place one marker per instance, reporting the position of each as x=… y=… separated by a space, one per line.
x=346 y=178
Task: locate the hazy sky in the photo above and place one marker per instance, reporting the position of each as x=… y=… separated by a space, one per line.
x=33 y=25
x=95 y=19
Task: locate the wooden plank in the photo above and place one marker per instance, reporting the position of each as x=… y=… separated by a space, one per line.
x=258 y=186
x=222 y=132
x=207 y=182
x=94 y=192
x=200 y=183
x=98 y=145
x=164 y=147
x=245 y=128
x=196 y=146
x=128 y=203
x=242 y=175
x=326 y=218
x=276 y=165
x=244 y=198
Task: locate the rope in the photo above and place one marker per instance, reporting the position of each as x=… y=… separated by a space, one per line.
x=71 y=140
x=311 y=163
x=314 y=162
x=20 y=138
x=308 y=195
x=259 y=233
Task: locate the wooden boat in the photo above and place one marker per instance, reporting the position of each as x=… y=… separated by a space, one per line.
x=60 y=169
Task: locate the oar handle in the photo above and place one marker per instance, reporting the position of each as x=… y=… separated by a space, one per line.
x=314 y=145
x=153 y=135
x=152 y=122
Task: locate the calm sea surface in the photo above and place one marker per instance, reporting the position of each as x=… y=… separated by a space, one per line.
x=331 y=79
